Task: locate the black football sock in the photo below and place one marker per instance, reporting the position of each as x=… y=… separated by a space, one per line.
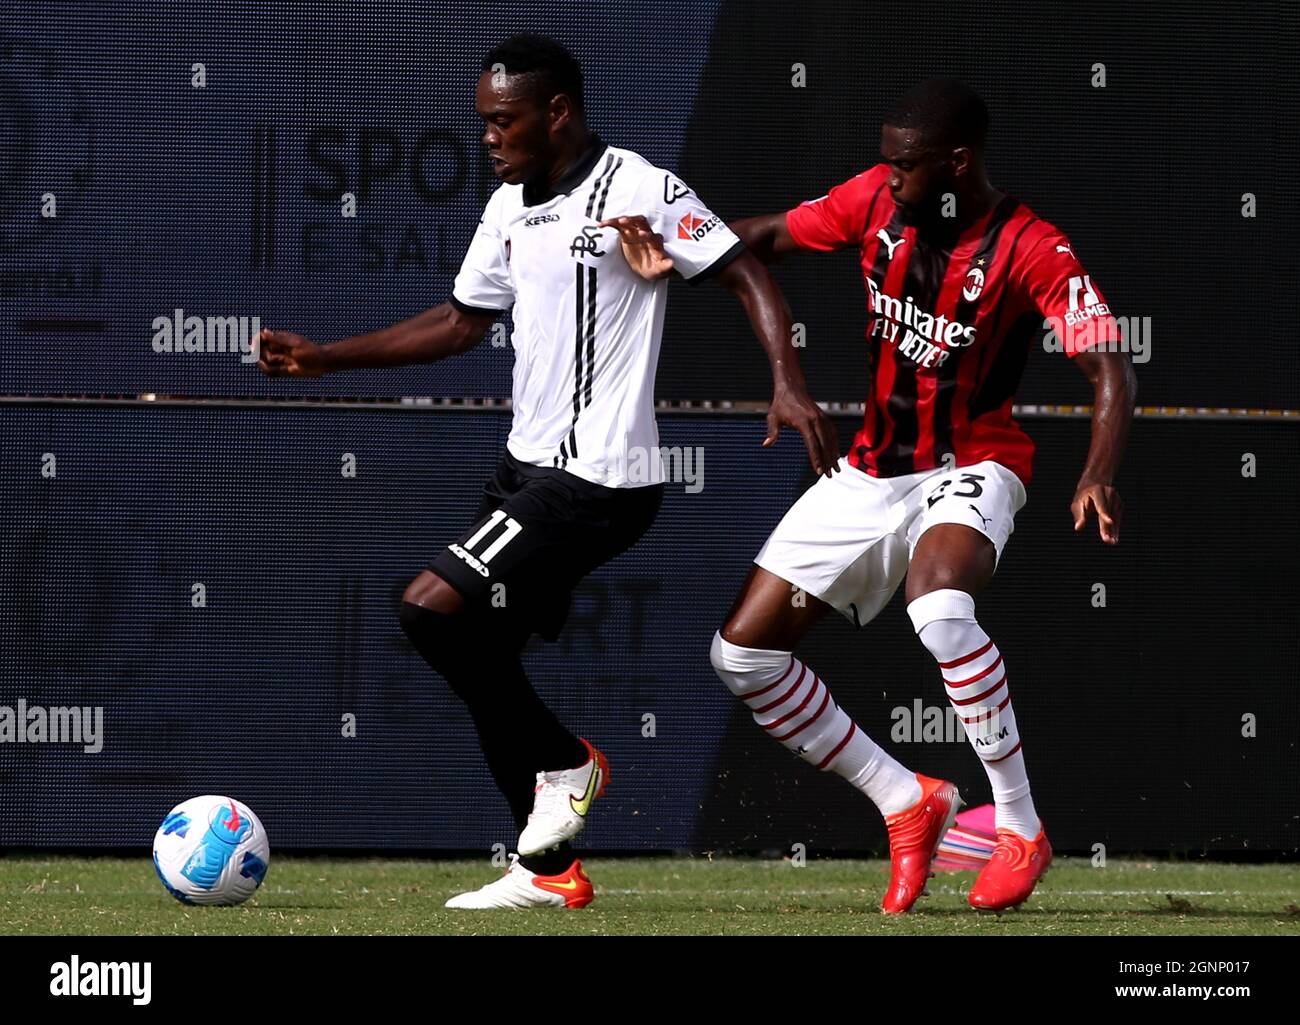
x=550 y=863
x=519 y=735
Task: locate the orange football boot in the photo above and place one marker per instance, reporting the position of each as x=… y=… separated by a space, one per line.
x=572 y=884
x=914 y=837
x=1009 y=877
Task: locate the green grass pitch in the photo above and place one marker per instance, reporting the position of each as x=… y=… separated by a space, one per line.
x=650 y=896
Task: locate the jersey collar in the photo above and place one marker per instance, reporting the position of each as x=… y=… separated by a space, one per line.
x=540 y=190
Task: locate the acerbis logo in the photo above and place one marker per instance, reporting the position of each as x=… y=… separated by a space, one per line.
x=692 y=227
x=974 y=285
x=468 y=559
x=540 y=219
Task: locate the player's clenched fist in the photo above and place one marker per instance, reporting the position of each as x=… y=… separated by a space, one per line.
x=643 y=248
x=285 y=354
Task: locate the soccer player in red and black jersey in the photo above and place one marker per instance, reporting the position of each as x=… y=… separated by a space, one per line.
x=961 y=281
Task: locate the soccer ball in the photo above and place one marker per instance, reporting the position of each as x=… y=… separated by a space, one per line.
x=211 y=850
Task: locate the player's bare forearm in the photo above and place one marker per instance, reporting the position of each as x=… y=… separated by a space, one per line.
x=1114 y=395
x=766 y=236
x=428 y=336
x=432 y=335
x=769 y=315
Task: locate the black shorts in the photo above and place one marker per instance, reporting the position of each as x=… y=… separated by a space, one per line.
x=538 y=531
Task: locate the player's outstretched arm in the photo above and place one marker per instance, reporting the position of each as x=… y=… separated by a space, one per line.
x=765 y=305
x=432 y=335
x=766 y=236
x=1115 y=391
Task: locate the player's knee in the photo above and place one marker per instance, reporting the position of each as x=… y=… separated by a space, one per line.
x=939 y=614
x=431 y=591
x=441 y=639
x=732 y=634
x=745 y=670
x=417 y=621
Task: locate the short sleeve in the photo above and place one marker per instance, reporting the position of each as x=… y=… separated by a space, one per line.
x=483 y=284
x=1064 y=293
x=837 y=219
x=697 y=239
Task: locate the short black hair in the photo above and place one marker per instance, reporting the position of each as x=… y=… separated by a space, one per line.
x=947 y=112
x=550 y=67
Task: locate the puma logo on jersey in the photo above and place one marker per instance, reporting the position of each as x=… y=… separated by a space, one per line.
x=1064 y=249
x=890 y=244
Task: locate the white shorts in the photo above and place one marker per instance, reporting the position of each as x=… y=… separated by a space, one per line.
x=849 y=538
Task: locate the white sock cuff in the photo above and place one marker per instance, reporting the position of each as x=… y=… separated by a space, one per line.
x=945 y=603
x=732 y=658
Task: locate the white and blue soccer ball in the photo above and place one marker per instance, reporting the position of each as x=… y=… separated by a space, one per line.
x=211 y=850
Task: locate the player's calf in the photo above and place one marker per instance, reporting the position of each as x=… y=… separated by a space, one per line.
x=794 y=707
x=975 y=679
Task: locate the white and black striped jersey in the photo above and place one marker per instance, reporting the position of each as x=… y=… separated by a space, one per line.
x=587 y=327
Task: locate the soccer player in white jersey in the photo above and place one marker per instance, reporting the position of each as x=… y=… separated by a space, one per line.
x=576 y=242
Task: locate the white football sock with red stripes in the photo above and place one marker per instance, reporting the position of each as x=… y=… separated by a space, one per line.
x=793 y=706
x=975 y=679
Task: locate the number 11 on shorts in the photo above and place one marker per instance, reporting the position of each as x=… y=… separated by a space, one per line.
x=513 y=527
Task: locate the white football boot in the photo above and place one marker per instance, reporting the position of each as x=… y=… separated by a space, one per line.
x=560 y=802
x=519 y=888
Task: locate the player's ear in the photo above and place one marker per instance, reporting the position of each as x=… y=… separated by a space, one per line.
x=559 y=112
x=960 y=160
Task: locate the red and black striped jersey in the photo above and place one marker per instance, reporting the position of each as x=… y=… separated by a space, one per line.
x=949 y=327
